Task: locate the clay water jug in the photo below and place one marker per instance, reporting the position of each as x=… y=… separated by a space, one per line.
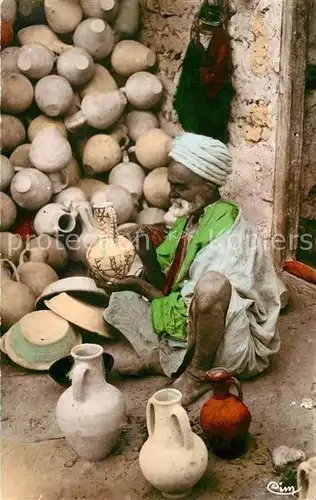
x=306 y=479
x=173 y=458
x=224 y=418
x=110 y=255
x=17 y=299
x=54 y=218
x=88 y=234
x=31 y=189
x=91 y=412
x=34 y=270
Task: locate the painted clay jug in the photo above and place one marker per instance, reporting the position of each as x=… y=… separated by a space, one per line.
x=111 y=255
x=306 y=479
x=224 y=418
x=91 y=412
x=173 y=458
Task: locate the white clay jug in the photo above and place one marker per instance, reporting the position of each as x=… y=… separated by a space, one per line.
x=31 y=189
x=35 y=60
x=98 y=110
x=104 y=9
x=128 y=175
x=110 y=255
x=91 y=413
x=76 y=65
x=306 y=479
x=130 y=56
x=63 y=16
x=53 y=219
x=50 y=152
x=41 y=33
x=9 y=10
x=16 y=93
x=102 y=81
x=143 y=90
x=20 y=157
x=96 y=36
x=9 y=59
x=173 y=458
x=41 y=122
x=139 y=122
x=88 y=234
x=59 y=180
x=6 y=173
x=53 y=95
x=12 y=132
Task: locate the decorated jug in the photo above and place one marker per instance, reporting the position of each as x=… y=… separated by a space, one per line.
x=110 y=255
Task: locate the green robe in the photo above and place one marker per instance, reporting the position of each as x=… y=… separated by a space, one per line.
x=169 y=314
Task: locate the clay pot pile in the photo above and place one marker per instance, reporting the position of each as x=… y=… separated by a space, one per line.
x=79 y=127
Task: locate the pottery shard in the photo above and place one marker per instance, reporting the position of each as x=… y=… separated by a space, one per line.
x=284 y=457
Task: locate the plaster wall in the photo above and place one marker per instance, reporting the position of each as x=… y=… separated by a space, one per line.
x=255 y=30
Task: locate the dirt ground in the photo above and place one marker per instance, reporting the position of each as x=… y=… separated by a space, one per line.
x=37 y=463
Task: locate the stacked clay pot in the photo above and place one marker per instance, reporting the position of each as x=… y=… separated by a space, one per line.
x=79 y=124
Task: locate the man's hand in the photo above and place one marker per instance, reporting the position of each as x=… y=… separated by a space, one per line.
x=130 y=283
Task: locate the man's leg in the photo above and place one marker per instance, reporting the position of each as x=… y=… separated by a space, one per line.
x=207 y=326
x=128 y=363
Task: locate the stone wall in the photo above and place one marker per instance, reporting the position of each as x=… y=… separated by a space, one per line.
x=255 y=28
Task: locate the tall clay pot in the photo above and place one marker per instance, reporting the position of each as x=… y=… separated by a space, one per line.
x=91 y=412
x=224 y=418
x=173 y=458
x=306 y=479
x=110 y=255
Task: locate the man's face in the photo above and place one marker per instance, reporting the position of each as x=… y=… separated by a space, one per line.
x=186 y=185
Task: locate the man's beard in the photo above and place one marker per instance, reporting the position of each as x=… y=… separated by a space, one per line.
x=179 y=208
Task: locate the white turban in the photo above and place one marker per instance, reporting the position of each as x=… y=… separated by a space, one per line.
x=206 y=157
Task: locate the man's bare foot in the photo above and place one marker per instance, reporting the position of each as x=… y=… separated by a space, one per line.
x=190 y=387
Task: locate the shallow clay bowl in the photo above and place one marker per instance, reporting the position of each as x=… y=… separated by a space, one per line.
x=79 y=287
x=59 y=370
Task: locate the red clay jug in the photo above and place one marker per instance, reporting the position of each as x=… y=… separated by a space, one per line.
x=224 y=418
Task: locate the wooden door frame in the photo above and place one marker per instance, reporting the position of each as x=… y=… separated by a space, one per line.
x=289 y=145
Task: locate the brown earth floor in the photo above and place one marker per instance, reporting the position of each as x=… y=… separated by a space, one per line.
x=39 y=465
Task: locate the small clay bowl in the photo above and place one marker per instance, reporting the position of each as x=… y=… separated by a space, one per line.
x=59 y=370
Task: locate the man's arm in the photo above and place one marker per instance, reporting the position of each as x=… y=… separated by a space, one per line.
x=132 y=284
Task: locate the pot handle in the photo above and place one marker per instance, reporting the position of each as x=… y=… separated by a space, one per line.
x=13 y=268
x=78 y=374
x=236 y=383
x=182 y=418
x=303 y=472
x=150 y=417
x=64 y=174
x=25 y=256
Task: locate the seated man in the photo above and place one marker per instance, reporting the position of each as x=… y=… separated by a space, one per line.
x=209 y=293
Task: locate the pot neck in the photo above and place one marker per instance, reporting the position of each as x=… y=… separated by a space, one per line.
x=221 y=389
x=86 y=216
x=95 y=374
x=106 y=218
